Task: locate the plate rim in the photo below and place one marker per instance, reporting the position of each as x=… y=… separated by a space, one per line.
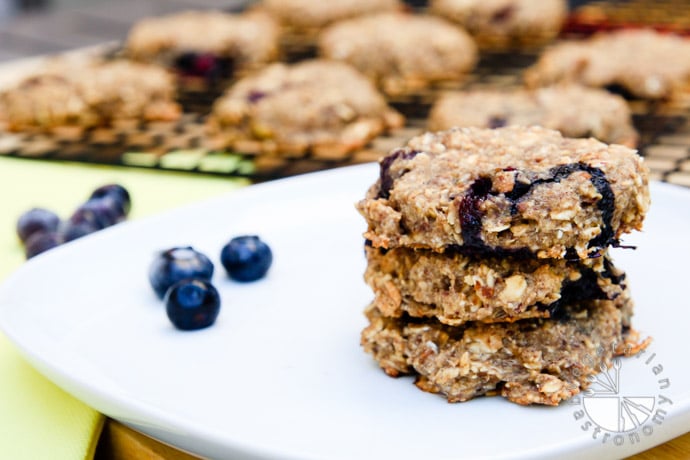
x=166 y=420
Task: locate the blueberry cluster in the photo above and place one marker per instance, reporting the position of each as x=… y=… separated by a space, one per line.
x=41 y=229
x=181 y=277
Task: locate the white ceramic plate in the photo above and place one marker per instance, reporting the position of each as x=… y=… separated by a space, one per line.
x=282 y=375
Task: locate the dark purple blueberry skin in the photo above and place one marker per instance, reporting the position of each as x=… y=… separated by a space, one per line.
x=36 y=220
x=246 y=258
x=205 y=65
x=176 y=264
x=255 y=96
x=116 y=192
x=497 y=122
x=98 y=213
x=385 y=177
x=74 y=230
x=41 y=242
x=503 y=14
x=192 y=304
x=196 y=64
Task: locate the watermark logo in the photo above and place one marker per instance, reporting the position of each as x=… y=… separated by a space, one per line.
x=611 y=410
x=625 y=402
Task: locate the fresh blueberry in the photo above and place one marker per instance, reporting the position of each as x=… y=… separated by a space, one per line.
x=246 y=258
x=40 y=242
x=192 y=304
x=177 y=264
x=36 y=220
x=99 y=213
x=73 y=230
x=116 y=192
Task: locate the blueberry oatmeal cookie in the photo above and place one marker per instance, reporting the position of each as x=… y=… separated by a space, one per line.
x=454 y=288
x=574 y=110
x=90 y=95
x=324 y=107
x=501 y=24
x=532 y=361
x=308 y=17
x=512 y=190
x=640 y=63
x=398 y=51
x=205 y=43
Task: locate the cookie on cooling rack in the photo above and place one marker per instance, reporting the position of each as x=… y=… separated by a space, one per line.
x=574 y=110
x=640 y=63
x=503 y=24
x=398 y=51
x=90 y=95
x=325 y=108
x=207 y=44
x=308 y=16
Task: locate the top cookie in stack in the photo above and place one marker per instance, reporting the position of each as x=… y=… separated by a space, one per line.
x=512 y=190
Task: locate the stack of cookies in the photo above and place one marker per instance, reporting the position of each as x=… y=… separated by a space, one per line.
x=487 y=253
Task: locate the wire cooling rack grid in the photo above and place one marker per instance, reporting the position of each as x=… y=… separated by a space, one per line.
x=185 y=145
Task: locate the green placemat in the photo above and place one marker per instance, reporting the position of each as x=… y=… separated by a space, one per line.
x=37 y=419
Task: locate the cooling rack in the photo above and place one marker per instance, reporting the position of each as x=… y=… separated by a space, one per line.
x=185 y=145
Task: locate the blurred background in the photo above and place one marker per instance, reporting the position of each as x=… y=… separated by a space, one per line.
x=48 y=27
x=34 y=27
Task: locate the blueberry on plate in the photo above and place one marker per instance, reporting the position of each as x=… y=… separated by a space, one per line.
x=246 y=258
x=176 y=264
x=72 y=230
x=192 y=304
x=116 y=192
x=99 y=213
x=36 y=220
x=40 y=242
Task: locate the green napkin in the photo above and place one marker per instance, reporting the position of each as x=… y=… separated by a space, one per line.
x=37 y=419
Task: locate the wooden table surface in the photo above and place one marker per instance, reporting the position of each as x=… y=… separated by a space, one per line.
x=119 y=442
